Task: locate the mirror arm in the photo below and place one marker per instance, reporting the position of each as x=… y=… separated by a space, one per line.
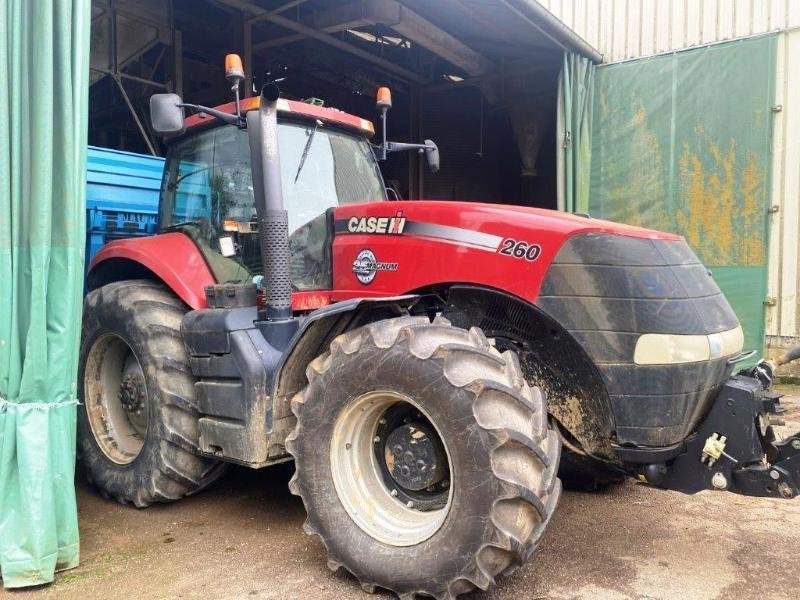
x=224 y=117
x=403 y=146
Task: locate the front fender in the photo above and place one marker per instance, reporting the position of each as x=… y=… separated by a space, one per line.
x=171 y=257
x=320 y=327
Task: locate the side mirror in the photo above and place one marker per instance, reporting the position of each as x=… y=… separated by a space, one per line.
x=166 y=114
x=432 y=155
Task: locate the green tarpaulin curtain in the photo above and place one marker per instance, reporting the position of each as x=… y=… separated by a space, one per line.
x=574 y=126
x=682 y=143
x=44 y=66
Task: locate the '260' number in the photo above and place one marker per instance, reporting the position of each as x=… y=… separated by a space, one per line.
x=520 y=249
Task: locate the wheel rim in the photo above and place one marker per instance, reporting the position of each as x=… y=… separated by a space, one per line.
x=370 y=489
x=115 y=394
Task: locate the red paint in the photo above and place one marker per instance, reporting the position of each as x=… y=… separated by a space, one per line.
x=422 y=261
x=173 y=257
x=302 y=109
x=304 y=301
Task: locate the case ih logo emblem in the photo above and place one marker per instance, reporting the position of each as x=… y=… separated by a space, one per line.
x=365 y=266
x=387 y=225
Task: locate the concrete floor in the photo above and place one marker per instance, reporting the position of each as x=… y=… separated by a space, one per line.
x=243 y=539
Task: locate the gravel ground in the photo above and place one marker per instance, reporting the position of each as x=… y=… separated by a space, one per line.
x=243 y=539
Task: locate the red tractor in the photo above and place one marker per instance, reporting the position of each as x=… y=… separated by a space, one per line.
x=423 y=363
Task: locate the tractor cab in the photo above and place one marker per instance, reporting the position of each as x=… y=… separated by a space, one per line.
x=326 y=161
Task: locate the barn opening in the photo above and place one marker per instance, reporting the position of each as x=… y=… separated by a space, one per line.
x=480 y=78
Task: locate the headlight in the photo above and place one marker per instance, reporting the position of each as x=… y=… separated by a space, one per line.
x=670 y=349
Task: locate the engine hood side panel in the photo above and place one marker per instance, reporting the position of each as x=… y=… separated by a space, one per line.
x=403 y=246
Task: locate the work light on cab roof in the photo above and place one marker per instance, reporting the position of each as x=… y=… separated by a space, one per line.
x=234 y=73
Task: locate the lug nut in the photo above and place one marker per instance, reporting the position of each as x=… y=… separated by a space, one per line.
x=410 y=504
x=774 y=474
x=394 y=492
x=376 y=439
x=796 y=444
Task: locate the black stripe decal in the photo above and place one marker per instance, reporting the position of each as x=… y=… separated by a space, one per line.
x=443 y=233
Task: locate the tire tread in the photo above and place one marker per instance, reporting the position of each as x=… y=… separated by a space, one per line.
x=500 y=382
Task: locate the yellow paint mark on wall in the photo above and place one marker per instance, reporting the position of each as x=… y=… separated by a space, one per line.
x=720 y=197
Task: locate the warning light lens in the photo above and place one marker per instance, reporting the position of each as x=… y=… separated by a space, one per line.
x=233 y=67
x=384 y=98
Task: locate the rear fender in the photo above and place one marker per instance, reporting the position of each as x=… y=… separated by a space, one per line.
x=172 y=258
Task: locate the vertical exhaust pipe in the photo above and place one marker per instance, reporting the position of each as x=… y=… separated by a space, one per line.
x=273 y=223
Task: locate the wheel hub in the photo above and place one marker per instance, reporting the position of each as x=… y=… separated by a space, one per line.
x=391 y=468
x=415 y=457
x=132 y=393
x=115 y=393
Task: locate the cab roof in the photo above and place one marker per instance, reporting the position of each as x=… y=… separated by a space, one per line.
x=295 y=108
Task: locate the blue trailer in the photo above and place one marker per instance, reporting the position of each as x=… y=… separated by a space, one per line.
x=121 y=196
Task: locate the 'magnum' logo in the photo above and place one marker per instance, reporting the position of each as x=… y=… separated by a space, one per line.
x=365 y=266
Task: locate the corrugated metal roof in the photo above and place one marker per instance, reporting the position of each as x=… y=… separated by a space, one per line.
x=523 y=24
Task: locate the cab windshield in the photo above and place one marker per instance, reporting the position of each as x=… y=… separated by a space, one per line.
x=207 y=193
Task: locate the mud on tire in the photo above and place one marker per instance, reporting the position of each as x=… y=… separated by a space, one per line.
x=146 y=317
x=503 y=456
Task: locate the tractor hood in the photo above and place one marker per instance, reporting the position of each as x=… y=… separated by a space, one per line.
x=425 y=243
x=494 y=218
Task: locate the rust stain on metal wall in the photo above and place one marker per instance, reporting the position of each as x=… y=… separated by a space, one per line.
x=720 y=200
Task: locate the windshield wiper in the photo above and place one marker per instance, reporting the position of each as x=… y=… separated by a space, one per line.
x=180 y=225
x=306 y=149
x=174 y=184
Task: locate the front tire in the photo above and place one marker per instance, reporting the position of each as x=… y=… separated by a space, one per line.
x=138 y=420
x=483 y=517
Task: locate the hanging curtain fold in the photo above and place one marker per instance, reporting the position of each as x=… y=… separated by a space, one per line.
x=574 y=128
x=44 y=66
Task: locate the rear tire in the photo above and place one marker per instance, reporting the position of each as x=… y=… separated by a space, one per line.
x=502 y=458
x=138 y=420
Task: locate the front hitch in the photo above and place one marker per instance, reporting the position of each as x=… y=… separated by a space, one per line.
x=735 y=448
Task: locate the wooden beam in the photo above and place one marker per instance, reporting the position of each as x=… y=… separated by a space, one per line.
x=346 y=16
x=431 y=37
x=325 y=38
x=404 y=21
x=276 y=11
